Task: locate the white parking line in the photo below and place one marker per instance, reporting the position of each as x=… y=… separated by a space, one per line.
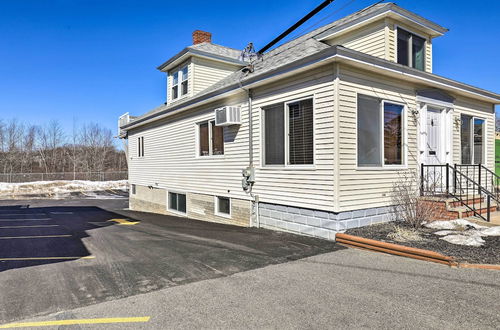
x=32 y=226
x=43 y=236
x=34 y=219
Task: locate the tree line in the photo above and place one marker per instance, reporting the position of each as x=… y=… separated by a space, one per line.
x=28 y=148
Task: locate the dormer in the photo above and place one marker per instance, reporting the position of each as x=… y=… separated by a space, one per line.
x=199 y=66
x=389 y=32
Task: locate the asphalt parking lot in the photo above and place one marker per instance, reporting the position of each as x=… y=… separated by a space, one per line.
x=57 y=255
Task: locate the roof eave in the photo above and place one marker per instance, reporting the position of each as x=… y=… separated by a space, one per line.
x=334 y=53
x=187 y=52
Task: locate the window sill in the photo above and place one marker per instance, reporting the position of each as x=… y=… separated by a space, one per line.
x=177 y=212
x=289 y=167
x=223 y=215
x=211 y=157
x=383 y=168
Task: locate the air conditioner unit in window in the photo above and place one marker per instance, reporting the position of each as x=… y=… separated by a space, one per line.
x=227 y=116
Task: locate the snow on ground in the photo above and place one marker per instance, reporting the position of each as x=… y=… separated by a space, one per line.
x=58 y=187
x=463 y=232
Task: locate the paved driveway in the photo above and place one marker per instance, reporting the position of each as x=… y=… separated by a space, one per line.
x=60 y=255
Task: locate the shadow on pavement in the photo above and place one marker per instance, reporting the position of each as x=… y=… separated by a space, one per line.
x=38 y=236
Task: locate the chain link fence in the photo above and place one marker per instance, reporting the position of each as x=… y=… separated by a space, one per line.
x=88 y=176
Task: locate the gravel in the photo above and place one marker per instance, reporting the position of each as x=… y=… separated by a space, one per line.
x=489 y=253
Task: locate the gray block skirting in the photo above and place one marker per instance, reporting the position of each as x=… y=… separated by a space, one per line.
x=318 y=223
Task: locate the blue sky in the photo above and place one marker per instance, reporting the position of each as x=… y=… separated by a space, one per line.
x=92 y=60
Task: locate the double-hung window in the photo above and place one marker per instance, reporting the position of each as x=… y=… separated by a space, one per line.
x=211 y=139
x=180 y=83
x=289 y=133
x=411 y=49
x=380 y=132
x=140 y=146
x=472 y=139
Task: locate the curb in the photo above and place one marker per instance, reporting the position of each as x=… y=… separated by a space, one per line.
x=405 y=251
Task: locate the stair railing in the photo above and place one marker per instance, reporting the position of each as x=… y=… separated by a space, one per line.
x=448 y=181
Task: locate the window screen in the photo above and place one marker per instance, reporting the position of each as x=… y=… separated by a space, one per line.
x=418 y=52
x=393 y=134
x=217 y=139
x=204 y=140
x=478 y=140
x=300 y=132
x=223 y=205
x=465 y=138
x=177 y=202
x=274 y=135
x=184 y=84
x=369 y=131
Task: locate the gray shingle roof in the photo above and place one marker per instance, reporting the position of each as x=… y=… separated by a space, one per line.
x=287 y=53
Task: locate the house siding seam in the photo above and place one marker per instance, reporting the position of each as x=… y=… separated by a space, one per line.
x=316 y=222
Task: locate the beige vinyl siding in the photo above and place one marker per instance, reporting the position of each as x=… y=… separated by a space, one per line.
x=170 y=80
x=208 y=72
x=170 y=159
x=479 y=110
x=365 y=188
x=369 y=40
x=311 y=187
x=393 y=37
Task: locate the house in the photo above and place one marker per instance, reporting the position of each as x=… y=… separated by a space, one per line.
x=310 y=136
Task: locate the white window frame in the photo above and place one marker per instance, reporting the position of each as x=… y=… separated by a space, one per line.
x=404 y=142
x=410 y=47
x=286 y=143
x=484 y=155
x=210 y=140
x=216 y=205
x=169 y=209
x=180 y=79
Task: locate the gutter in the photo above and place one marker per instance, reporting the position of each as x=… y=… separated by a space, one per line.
x=322 y=57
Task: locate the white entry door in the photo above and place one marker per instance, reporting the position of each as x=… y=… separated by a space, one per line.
x=434 y=146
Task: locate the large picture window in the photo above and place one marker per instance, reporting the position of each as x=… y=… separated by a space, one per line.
x=211 y=139
x=380 y=132
x=472 y=140
x=411 y=49
x=289 y=133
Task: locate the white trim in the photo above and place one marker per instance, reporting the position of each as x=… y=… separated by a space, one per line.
x=438 y=103
x=375 y=18
x=484 y=158
x=169 y=209
x=410 y=47
x=210 y=140
x=404 y=142
x=286 y=110
x=216 y=207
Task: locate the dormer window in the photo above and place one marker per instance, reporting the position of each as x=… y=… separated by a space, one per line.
x=182 y=77
x=411 y=50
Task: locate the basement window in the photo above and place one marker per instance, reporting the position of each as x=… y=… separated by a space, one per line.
x=289 y=133
x=177 y=202
x=211 y=139
x=411 y=50
x=223 y=206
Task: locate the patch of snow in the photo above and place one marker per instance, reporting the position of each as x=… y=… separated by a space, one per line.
x=452 y=224
x=492 y=231
x=474 y=240
x=58 y=187
x=445 y=232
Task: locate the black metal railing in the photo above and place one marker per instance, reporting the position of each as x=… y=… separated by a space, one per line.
x=449 y=181
x=488 y=179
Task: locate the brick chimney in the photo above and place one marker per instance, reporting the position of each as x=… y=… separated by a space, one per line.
x=201 y=36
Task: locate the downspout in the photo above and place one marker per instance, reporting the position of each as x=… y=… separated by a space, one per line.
x=255 y=198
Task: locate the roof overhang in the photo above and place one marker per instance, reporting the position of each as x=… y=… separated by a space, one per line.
x=187 y=52
x=333 y=54
x=395 y=12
